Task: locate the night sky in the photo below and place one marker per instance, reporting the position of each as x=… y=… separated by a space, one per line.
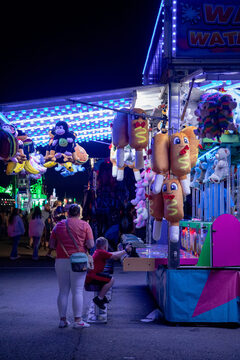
x=73 y=49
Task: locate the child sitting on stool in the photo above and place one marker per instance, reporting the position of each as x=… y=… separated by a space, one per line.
x=97 y=276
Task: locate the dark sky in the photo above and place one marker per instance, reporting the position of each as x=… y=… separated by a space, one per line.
x=72 y=48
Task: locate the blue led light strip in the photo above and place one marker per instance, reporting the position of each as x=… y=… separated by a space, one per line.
x=153 y=35
x=174 y=28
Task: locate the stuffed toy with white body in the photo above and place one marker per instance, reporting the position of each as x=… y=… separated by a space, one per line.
x=221 y=170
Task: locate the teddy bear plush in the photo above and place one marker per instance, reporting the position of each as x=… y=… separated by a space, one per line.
x=142 y=214
x=209 y=165
x=140 y=193
x=221 y=170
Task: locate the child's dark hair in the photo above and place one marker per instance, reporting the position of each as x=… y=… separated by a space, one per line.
x=101 y=242
x=74 y=210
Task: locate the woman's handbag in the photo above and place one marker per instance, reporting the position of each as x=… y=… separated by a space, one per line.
x=80 y=261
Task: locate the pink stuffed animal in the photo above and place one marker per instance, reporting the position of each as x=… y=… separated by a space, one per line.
x=142 y=214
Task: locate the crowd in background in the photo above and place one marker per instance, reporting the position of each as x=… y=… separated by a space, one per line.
x=37 y=225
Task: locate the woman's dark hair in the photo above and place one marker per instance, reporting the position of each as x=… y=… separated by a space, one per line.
x=12 y=216
x=58 y=214
x=36 y=213
x=74 y=210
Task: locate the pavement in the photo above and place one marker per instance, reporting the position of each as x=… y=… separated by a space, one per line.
x=29 y=321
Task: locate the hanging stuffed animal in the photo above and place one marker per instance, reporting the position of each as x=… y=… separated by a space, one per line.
x=221 y=169
x=160 y=159
x=129 y=160
x=226 y=105
x=142 y=214
x=140 y=192
x=120 y=135
x=174 y=155
x=138 y=134
x=168 y=204
x=10 y=129
x=156 y=210
x=62 y=148
x=81 y=155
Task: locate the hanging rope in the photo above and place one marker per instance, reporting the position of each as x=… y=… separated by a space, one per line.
x=117 y=110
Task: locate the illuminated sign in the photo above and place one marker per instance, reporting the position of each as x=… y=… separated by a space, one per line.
x=208 y=29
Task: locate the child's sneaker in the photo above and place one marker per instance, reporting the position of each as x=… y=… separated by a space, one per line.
x=105 y=300
x=80 y=324
x=99 y=302
x=63 y=324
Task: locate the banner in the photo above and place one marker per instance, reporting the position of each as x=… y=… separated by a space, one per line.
x=208 y=29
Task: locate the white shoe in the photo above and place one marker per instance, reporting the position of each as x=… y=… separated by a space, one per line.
x=80 y=324
x=64 y=323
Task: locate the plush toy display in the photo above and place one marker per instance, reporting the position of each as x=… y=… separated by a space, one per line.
x=174 y=155
x=138 y=134
x=215 y=114
x=221 y=169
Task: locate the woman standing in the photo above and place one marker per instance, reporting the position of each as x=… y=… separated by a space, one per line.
x=36 y=226
x=62 y=241
x=15 y=230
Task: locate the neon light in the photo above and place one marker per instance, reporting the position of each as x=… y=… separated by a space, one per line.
x=174 y=33
x=212 y=85
x=153 y=35
x=232 y=86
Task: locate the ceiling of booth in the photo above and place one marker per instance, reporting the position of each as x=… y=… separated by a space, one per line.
x=89 y=116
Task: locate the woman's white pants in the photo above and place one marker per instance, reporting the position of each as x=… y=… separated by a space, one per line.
x=67 y=279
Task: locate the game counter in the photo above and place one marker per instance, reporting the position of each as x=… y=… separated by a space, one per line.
x=205 y=287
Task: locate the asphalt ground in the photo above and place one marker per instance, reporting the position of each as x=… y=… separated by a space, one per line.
x=29 y=322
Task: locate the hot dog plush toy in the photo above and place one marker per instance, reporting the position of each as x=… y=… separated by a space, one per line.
x=138 y=134
x=168 y=204
x=120 y=135
x=160 y=159
x=156 y=209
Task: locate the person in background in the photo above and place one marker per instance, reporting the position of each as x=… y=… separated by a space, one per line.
x=59 y=214
x=67 y=279
x=36 y=226
x=15 y=230
x=46 y=231
x=97 y=276
x=30 y=245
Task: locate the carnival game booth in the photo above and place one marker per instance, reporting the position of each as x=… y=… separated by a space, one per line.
x=194 y=277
